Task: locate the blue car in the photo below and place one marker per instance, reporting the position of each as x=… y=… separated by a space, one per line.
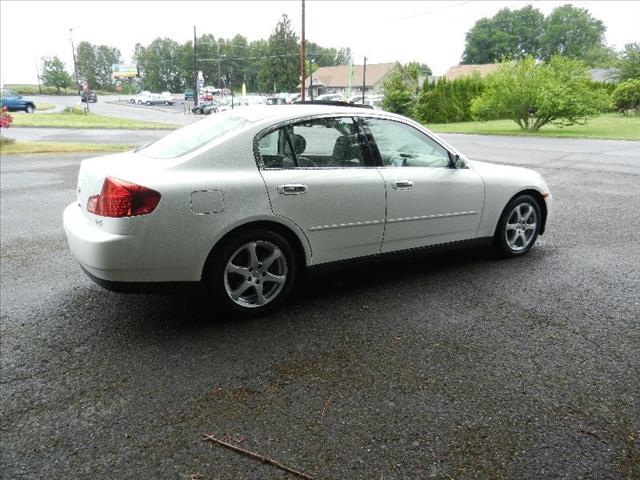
x=15 y=102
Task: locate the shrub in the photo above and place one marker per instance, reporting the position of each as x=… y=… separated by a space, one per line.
x=448 y=101
x=626 y=96
x=400 y=89
x=534 y=94
x=75 y=110
x=5 y=118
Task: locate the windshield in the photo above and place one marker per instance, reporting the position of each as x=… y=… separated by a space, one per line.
x=192 y=137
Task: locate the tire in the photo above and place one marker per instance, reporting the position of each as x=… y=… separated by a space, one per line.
x=252 y=273
x=29 y=108
x=518 y=227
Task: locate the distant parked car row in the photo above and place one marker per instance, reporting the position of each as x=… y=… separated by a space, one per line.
x=148 y=98
x=16 y=102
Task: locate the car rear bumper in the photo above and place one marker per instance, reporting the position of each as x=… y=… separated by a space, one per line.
x=105 y=256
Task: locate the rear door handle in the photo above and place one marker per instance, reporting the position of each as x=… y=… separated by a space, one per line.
x=292 y=189
x=403 y=185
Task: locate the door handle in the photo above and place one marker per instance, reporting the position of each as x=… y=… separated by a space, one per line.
x=292 y=189
x=403 y=184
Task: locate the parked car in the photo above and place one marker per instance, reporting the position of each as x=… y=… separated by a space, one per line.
x=229 y=103
x=240 y=203
x=336 y=97
x=189 y=94
x=276 y=101
x=147 y=98
x=206 y=108
x=167 y=98
x=16 y=102
x=88 y=96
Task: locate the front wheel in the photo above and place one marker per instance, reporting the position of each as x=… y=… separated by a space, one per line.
x=29 y=109
x=253 y=272
x=518 y=227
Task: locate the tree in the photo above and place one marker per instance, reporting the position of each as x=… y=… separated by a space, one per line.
x=510 y=34
x=86 y=63
x=161 y=65
x=535 y=94
x=54 y=73
x=94 y=63
x=515 y=34
x=327 y=57
x=600 y=56
x=629 y=63
x=571 y=32
x=105 y=58
x=626 y=96
x=401 y=88
x=281 y=68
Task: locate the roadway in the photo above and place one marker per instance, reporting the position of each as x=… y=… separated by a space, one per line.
x=456 y=365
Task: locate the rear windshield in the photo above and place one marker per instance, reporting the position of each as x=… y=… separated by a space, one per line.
x=192 y=137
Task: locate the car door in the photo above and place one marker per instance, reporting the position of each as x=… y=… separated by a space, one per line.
x=428 y=201
x=319 y=176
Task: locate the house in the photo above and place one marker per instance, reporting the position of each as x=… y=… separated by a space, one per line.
x=458 y=71
x=337 y=79
x=605 y=75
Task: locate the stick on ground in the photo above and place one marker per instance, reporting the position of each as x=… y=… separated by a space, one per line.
x=256 y=456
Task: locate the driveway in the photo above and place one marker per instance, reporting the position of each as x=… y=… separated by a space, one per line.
x=455 y=365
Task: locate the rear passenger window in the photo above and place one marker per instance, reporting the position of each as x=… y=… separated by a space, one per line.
x=276 y=151
x=327 y=143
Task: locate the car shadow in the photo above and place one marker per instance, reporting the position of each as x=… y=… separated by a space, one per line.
x=189 y=314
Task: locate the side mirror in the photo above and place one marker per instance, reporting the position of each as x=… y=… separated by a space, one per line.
x=457 y=162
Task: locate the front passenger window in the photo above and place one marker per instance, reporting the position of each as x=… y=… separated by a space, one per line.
x=401 y=145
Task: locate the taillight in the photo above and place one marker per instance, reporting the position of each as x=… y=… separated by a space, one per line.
x=123 y=199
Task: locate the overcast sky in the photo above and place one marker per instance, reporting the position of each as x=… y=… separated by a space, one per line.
x=384 y=31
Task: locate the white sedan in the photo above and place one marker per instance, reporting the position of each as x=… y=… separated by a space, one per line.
x=241 y=202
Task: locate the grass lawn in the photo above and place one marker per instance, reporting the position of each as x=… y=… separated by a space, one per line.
x=74 y=120
x=44 y=106
x=610 y=126
x=19 y=148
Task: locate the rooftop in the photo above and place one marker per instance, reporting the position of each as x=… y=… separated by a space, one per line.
x=338 y=76
x=458 y=71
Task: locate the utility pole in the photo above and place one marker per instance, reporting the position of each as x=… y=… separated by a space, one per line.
x=364 y=77
x=302 y=57
x=311 y=79
x=38 y=75
x=75 y=66
x=195 y=68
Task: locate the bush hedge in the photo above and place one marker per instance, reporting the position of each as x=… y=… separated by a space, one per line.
x=448 y=101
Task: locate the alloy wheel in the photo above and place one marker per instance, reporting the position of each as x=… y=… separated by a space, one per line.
x=255 y=274
x=521 y=226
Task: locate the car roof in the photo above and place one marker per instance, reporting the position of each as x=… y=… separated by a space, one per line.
x=282 y=113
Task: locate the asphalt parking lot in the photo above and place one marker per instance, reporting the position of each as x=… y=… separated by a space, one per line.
x=455 y=365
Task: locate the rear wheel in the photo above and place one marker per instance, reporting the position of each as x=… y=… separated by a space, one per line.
x=518 y=227
x=253 y=272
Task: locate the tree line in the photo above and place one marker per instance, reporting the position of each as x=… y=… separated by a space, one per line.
x=543 y=78
x=271 y=65
x=568 y=31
